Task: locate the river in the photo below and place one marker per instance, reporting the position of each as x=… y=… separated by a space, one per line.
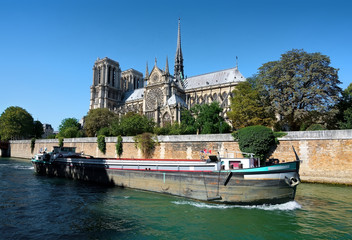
x=38 y=207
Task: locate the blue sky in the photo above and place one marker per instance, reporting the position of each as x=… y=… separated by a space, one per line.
x=48 y=48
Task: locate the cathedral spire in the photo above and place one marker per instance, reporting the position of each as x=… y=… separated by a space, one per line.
x=167 y=66
x=178 y=71
x=146 y=71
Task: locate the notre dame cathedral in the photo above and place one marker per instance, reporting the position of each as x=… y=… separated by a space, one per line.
x=158 y=94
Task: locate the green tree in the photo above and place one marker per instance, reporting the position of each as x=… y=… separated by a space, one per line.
x=247 y=108
x=188 y=122
x=208 y=119
x=297 y=84
x=15 y=123
x=69 y=128
x=38 y=129
x=133 y=123
x=345 y=109
x=258 y=140
x=97 y=119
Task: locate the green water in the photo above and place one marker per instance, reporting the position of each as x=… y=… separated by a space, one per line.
x=36 y=207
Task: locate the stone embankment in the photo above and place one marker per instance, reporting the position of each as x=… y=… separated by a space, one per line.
x=326 y=155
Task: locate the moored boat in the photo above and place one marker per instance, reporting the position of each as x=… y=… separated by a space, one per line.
x=216 y=179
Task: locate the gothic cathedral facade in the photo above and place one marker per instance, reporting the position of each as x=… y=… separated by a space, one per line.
x=159 y=95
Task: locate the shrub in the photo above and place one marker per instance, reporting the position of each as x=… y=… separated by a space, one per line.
x=61 y=141
x=119 y=149
x=32 y=144
x=258 y=140
x=315 y=127
x=101 y=143
x=146 y=142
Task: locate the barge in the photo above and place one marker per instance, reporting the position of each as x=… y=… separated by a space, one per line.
x=216 y=179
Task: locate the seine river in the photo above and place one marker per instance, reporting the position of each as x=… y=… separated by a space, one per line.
x=37 y=207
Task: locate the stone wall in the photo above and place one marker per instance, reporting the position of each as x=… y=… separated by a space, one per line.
x=326 y=155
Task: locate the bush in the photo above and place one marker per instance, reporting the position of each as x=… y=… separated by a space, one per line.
x=258 y=140
x=61 y=141
x=119 y=149
x=32 y=144
x=146 y=142
x=101 y=143
x=315 y=127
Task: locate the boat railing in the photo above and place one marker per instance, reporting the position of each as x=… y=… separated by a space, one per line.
x=236 y=154
x=204 y=154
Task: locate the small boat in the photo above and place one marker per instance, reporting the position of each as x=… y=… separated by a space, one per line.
x=216 y=179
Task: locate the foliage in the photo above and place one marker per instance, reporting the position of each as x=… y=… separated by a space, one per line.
x=345 y=109
x=169 y=129
x=208 y=119
x=104 y=131
x=315 y=127
x=146 y=142
x=69 y=128
x=297 y=84
x=61 y=141
x=51 y=136
x=32 y=144
x=37 y=129
x=97 y=119
x=119 y=145
x=101 y=143
x=279 y=134
x=188 y=122
x=132 y=124
x=15 y=123
x=259 y=140
x=247 y=108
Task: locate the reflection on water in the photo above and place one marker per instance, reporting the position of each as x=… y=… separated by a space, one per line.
x=34 y=207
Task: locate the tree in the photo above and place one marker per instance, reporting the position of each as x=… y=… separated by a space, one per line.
x=97 y=119
x=258 y=140
x=15 y=123
x=246 y=108
x=69 y=128
x=208 y=119
x=38 y=129
x=188 y=122
x=345 y=109
x=133 y=123
x=297 y=84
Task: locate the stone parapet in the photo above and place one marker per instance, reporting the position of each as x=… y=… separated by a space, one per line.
x=326 y=155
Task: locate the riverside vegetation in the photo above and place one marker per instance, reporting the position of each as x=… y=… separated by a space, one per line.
x=301 y=88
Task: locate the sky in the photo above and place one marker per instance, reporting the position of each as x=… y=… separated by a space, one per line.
x=48 y=47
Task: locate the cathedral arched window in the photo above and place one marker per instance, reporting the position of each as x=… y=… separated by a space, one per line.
x=200 y=100
x=109 y=68
x=225 y=99
x=99 y=75
x=215 y=97
x=113 y=77
x=166 y=118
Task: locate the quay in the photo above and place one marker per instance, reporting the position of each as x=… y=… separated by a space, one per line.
x=326 y=155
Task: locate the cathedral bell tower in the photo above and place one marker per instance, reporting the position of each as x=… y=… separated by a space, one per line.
x=105 y=91
x=178 y=71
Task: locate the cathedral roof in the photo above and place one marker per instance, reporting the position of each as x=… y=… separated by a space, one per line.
x=215 y=78
x=175 y=99
x=134 y=95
